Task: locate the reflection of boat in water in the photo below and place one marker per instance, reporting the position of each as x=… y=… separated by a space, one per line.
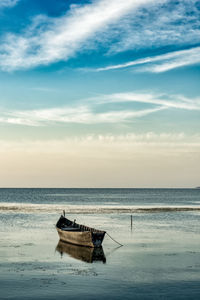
x=86 y=254
x=77 y=234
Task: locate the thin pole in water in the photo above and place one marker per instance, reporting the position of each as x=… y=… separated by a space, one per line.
x=131 y=222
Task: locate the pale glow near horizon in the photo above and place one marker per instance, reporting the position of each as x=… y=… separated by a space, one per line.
x=138 y=161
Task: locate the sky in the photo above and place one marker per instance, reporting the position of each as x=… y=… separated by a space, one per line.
x=100 y=93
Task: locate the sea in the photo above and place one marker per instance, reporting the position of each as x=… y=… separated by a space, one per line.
x=152 y=250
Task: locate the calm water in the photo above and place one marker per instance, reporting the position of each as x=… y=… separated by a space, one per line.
x=102 y=196
x=160 y=258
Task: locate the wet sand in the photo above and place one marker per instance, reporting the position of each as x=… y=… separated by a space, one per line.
x=160 y=258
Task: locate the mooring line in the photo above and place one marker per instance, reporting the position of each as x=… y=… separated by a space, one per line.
x=114 y=239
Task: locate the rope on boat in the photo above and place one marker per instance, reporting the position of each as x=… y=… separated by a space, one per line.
x=114 y=239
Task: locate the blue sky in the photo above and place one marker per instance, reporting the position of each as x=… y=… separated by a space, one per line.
x=95 y=73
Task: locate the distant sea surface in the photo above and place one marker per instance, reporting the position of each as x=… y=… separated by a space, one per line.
x=93 y=196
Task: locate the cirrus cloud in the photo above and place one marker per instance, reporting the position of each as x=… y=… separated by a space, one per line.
x=116 y=25
x=161 y=63
x=60 y=38
x=89 y=111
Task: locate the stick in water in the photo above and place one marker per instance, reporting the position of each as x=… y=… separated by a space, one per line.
x=131 y=222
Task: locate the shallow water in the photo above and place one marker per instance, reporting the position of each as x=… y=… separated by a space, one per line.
x=160 y=258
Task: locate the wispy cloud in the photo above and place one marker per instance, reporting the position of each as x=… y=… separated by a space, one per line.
x=167 y=101
x=164 y=23
x=8 y=3
x=80 y=115
x=49 y=40
x=116 y=25
x=161 y=63
x=144 y=142
x=90 y=111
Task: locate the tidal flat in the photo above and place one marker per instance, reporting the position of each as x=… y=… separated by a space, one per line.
x=159 y=259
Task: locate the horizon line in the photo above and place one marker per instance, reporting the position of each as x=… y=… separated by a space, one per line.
x=195 y=187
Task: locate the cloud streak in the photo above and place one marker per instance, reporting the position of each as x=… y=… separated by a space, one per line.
x=166 y=23
x=79 y=115
x=161 y=63
x=167 y=101
x=90 y=110
x=50 y=40
x=116 y=25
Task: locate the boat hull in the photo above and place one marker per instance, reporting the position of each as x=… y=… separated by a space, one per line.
x=82 y=238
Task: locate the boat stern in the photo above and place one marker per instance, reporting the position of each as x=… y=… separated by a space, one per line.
x=97 y=238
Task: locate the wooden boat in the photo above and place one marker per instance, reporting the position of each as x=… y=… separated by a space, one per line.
x=73 y=233
x=86 y=254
